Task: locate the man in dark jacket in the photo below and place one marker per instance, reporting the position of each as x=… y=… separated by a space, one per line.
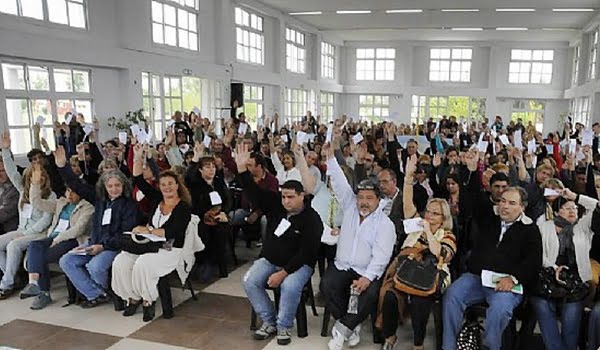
x=508 y=243
x=289 y=251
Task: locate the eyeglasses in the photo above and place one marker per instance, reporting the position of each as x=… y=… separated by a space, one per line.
x=574 y=208
x=434 y=213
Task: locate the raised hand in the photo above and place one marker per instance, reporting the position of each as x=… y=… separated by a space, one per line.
x=327 y=150
x=242 y=155
x=437 y=160
x=411 y=166
x=5 y=140
x=138 y=152
x=471 y=161
x=60 y=157
x=198 y=151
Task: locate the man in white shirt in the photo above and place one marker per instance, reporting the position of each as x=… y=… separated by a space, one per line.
x=365 y=245
x=311 y=159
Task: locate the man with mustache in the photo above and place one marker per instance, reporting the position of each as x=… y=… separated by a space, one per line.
x=365 y=245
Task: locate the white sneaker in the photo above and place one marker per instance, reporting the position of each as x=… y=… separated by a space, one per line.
x=337 y=342
x=355 y=337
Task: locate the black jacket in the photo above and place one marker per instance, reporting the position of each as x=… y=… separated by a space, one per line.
x=299 y=244
x=518 y=254
x=200 y=191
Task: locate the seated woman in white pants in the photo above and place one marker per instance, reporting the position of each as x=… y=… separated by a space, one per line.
x=33 y=222
x=135 y=277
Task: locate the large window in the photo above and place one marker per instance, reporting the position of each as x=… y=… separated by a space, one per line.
x=249 y=36
x=296 y=104
x=34 y=89
x=375 y=108
x=327 y=60
x=375 y=64
x=295 y=51
x=580 y=109
x=575 y=72
x=450 y=65
x=68 y=12
x=593 y=55
x=327 y=105
x=175 y=23
x=253 y=104
x=529 y=111
x=530 y=66
x=425 y=107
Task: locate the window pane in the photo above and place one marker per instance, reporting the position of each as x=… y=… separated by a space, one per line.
x=17 y=112
x=81 y=81
x=157 y=13
x=32 y=8
x=14 y=76
x=157 y=33
x=170 y=17
x=57 y=11
x=170 y=36
x=24 y=140
x=76 y=15
x=38 y=78
x=62 y=80
x=8 y=6
x=63 y=107
x=84 y=107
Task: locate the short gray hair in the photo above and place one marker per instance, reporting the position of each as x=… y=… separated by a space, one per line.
x=522 y=194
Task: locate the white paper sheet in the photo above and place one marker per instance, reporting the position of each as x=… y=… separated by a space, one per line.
x=357 y=138
x=413 y=225
x=123 y=137
x=550 y=149
x=206 y=141
x=489 y=278
x=482 y=146
x=531 y=146
x=504 y=140
x=215 y=198
x=301 y=137
x=518 y=139
x=588 y=137
x=150 y=236
x=282 y=227
x=550 y=192
x=106 y=217
x=243 y=128
x=327 y=237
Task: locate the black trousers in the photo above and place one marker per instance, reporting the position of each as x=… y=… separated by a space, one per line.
x=419 y=309
x=335 y=287
x=215 y=239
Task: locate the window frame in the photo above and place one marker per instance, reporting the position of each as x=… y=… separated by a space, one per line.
x=451 y=62
x=363 y=104
x=195 y=12
x=46 y=14
x=593 y=59
x=423 y=109
x=298 y=104
x=531 y=62
x=327 y=103
x=298 y=49
x=375 y=61
x=328 y=52
x=250 y=30
x=575 y=70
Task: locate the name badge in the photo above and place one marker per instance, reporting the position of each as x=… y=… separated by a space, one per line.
x=26 y=211
x=283 y=226
x=62 y=226
x=106 y=217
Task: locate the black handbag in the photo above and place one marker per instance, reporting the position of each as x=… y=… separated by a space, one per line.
x=138 y=245
x=574 y=289
x=418 y=273
x=469 y=337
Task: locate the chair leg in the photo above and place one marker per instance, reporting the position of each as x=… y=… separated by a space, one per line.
x=301 y=321
x=325 y=324
x=437 y=320
x=188 y=283
x=232 y=244
x=164 y=292
x=311 y=298
x=253 y=320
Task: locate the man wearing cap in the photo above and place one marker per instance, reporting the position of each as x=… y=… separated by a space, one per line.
x=364 y=249
x=289 y=251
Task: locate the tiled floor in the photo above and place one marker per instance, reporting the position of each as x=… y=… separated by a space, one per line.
x=219 y=319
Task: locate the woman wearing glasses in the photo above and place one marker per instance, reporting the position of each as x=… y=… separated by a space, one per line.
x=566 y=242
x=435 y=238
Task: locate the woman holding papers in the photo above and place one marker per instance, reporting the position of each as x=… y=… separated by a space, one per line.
x=286 y=166
x=70 y=226
x=135 y=277
x=566 y=242
x=33 y=222
x=434 y=236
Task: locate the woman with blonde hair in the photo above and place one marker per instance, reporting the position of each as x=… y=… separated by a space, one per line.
x=135 y=274
x=33 y=222
x=435 y=241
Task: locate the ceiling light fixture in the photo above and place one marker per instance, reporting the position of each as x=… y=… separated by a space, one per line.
x=511 y=28
x=467 y=29
x=460 y=10
x=404 y=11
x=573 y=10
x=352 y=12
x=306 y=13
x=515 y=10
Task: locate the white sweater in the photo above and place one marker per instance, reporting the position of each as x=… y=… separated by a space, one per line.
x=582 y=239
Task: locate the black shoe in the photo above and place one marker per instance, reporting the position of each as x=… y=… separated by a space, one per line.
x=148 y=312
x=5 y=293
x=102 y=299
x=131 y=309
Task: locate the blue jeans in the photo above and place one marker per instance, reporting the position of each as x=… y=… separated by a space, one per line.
x=594 y=329
x=39 y=255
x=467 y=291
x=255 y=283
x=570 y=318
x=89 y=274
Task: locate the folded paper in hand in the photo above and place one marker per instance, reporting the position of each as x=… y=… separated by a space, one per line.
x=327 y=237
x=123 y=137
x=490 y=279
x=206 y=141
x=301 y=137
x=504 y=140
x=550 y=192
x=413 y=225
x=215 y=198
x=357 y=138
x=243 y=128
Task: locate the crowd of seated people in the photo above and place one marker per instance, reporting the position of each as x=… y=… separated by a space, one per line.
x=472 y=198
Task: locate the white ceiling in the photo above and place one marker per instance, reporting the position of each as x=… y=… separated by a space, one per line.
x=433 y=24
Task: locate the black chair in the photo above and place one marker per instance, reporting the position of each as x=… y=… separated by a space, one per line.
x=164 y=292
x=301 y=318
